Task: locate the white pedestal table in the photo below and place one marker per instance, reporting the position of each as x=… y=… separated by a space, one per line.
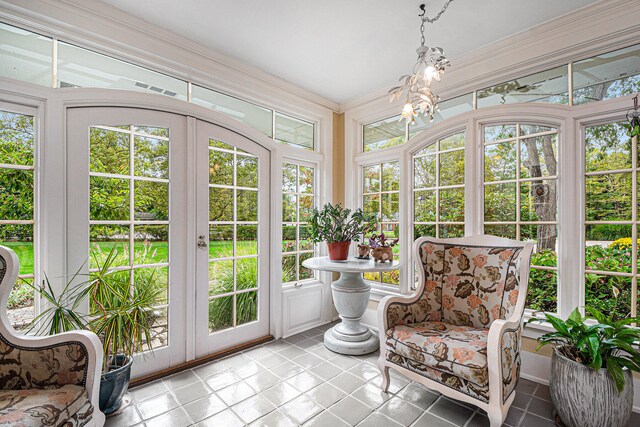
x=350 y=297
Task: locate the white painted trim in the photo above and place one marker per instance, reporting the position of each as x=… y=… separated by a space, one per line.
x=598 y=28
x=99 y=26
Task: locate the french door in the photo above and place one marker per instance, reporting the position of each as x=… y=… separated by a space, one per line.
x=184 y=212
x=232 y=261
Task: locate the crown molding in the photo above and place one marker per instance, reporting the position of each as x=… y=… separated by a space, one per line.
x=597 y=28
x=96 y=25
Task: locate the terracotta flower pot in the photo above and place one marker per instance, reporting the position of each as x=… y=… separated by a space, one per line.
x=338 y=251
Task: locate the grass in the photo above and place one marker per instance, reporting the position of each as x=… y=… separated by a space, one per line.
x=158 y=252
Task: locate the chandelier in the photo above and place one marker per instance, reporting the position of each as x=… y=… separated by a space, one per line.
x=417 y=86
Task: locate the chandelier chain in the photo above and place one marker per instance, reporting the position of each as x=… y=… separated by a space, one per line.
x=425 y=18
x=430 y=66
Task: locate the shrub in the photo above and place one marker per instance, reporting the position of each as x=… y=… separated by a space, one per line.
x=622 y=243
x=21 y=295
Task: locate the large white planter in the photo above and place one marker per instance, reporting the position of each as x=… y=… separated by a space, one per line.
x=586 y=398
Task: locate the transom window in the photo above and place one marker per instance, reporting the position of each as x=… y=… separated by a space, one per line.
x=129 y=210
x=520 y=199
x=381 y=196
x=438 y=189
x=298 y=200
x=18 y=207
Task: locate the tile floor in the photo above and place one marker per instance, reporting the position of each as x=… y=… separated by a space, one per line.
x=297 y=381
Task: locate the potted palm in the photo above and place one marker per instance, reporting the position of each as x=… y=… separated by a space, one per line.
x=338 y=227
x=591 y=366
x=121 y=314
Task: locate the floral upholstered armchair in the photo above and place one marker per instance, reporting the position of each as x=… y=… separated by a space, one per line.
x=46 y=381
x=460 y=332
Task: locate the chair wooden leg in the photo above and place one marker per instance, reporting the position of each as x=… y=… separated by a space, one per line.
x=496 y=418
x=384 y=370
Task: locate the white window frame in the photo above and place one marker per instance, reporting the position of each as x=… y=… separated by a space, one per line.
x=316 y=203
x=33 y=110
x=379 y=284
x=570 y=122
x=518 y=181
x=607 y=117
x=437 y=187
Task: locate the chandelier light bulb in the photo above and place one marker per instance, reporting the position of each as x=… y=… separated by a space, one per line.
x=408 y=113
x=430 y=73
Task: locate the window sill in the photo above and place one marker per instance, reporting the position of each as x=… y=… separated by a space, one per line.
x=378 y=292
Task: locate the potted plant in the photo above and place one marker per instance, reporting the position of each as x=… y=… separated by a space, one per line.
x=593 y=357
x=381 y=247
x=121 y=314
x=338 y=227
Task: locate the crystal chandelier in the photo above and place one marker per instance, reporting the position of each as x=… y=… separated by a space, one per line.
x=417 y=86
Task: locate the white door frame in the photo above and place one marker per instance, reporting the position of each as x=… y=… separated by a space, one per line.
x=207 y=343
x=77 y=194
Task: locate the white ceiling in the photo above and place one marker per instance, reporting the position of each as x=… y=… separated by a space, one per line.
x=341 y=49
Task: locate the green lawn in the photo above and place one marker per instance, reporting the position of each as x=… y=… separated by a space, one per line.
x=156 y=252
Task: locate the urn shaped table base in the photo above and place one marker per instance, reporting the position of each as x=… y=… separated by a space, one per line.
x=351 y=297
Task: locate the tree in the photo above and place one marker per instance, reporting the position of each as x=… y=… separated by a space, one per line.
x=543 y=193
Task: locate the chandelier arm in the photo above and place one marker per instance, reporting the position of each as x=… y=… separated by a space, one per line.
x=420 y=98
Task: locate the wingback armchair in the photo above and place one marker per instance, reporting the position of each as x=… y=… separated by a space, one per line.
x=459 y=334
x=46 y=381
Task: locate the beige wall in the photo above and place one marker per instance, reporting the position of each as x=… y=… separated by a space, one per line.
x=338 y=159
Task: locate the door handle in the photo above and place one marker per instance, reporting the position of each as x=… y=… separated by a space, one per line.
x=202 y=243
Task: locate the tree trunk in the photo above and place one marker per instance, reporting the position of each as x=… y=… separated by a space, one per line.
x=543 y=193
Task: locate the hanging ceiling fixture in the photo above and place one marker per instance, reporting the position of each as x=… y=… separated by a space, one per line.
x=417 y=86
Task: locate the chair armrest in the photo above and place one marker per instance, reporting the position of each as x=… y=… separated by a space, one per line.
x=66 y=358
x=503 y=356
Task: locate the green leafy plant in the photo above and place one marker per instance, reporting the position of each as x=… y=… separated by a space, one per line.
x=337 y=224
x=381 y=241
x=120 y=313
x=596 y=341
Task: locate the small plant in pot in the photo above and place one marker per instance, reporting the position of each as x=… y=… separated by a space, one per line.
x=593 y=356
x=382 y=248
x=338 y=227
x=121 y=313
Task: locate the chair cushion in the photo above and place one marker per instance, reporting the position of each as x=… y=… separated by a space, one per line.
x=64 y=406
x=451 y=354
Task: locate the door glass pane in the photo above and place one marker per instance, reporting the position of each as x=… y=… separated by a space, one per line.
x=17 y=208
x=233 y=236
x=129 y=213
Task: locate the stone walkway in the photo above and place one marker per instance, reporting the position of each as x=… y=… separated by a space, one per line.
x=20 y=317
